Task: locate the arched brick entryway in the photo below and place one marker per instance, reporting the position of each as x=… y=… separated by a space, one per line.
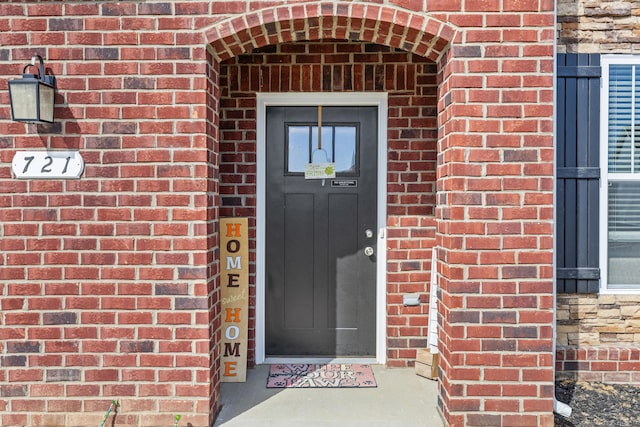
x=357 y=21
x=494 y=205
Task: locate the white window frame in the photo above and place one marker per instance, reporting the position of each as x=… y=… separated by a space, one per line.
x=606 y=62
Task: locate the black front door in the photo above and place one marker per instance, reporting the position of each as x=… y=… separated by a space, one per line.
x=320 y=269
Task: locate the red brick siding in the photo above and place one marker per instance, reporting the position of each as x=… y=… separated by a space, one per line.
x=410 y=83
x=108 y=282
x=130 y=248
x=213 y=206
x=602 y=364
x=495 y=229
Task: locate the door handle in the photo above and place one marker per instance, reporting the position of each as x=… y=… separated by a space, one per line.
x=368 y=251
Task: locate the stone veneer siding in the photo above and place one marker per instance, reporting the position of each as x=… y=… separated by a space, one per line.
x=598 y=320
x=598 y=336
x=603 y=26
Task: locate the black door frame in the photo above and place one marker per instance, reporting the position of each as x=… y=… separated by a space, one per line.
x=378 y=99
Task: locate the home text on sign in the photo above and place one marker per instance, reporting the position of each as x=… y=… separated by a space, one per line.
x=234 y=259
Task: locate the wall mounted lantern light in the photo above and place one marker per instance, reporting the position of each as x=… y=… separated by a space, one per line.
x=32 y=96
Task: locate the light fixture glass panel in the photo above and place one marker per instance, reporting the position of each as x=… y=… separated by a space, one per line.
x=24 y=100
x=46 y=103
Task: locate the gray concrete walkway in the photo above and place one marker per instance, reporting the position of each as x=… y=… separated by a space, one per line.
x=402 y=399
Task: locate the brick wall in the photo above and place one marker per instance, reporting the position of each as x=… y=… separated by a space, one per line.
x=606 y=26
x=212 y=197
x=508 y=336
x=495 y=195
x=109 y=283
x=410 y=82
x=610 y=364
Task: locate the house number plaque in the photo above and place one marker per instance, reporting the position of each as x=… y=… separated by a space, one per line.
x=47 y=164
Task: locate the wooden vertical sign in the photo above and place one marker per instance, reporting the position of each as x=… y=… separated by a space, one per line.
x=234 y=267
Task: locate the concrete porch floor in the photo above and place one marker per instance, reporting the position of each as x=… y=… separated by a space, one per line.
x=402 y=399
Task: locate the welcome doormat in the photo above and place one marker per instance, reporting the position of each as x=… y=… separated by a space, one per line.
x=334 y=375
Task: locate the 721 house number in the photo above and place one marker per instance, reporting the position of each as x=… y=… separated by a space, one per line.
x=47 y=164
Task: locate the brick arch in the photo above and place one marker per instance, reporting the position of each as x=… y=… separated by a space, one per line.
x=414 y=32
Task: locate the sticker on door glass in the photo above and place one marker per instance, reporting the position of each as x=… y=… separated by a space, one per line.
x=321 y=170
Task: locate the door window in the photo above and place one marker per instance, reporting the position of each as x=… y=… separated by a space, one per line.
x=339 y=145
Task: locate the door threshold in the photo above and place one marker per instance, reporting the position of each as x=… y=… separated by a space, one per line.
x=319 y=360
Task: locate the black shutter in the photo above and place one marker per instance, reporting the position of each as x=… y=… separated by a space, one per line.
x=578 y=172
